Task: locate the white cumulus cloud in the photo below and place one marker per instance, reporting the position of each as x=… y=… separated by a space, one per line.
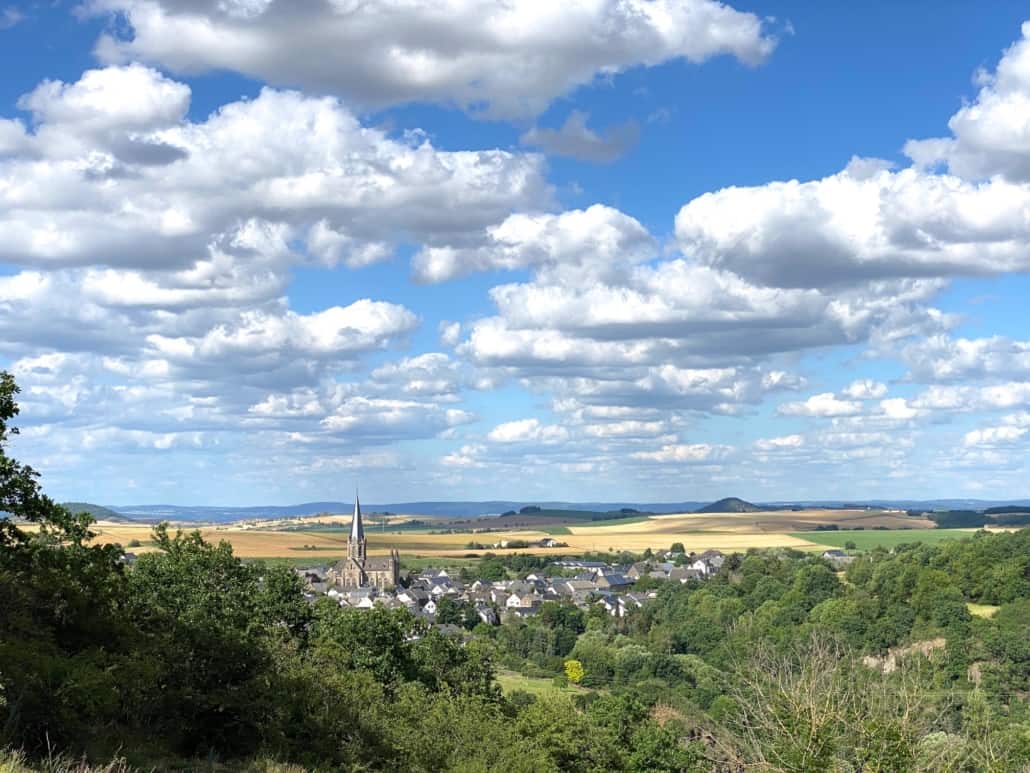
x=503 y=59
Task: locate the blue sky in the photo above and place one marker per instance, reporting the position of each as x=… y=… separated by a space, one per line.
x=653 y=250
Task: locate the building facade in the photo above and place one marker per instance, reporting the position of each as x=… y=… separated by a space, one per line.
x=358 y=570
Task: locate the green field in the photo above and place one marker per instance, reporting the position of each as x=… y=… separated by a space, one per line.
x=510 y=680
x=555 y=531
x=872 y=538
x=312 y=558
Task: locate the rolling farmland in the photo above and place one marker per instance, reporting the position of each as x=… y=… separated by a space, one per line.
x=698 y=532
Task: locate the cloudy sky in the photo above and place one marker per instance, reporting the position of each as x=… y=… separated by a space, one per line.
x=259 y=251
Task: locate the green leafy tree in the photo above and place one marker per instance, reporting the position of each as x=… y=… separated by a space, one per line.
x=656 y=749
x=61 y=610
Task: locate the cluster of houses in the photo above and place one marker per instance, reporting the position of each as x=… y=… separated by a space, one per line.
x=583 y=583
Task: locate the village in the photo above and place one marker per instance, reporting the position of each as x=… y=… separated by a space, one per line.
x=580 y=582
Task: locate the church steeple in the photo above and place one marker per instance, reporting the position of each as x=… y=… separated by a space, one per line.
x=356 y=541
x=357 y=529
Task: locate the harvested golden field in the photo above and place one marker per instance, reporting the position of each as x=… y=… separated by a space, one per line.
x=696 y=541
x=259 y=543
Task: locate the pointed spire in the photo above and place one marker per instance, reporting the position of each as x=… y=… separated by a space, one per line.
x=357 y=529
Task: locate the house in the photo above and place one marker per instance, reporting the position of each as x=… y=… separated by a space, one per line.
x=638 y=570
x=440 y=588
x=613 y=581
x=577 y=564
x=838 y=558
x=487 y=614
x=413 y=597
x=681 y=573
x=522 y=587
x=701 y=566
x=612 y=605
x=714 y=558
x=572 y=587
x=637 y=600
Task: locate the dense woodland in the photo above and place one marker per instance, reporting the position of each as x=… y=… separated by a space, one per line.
x=194 y=659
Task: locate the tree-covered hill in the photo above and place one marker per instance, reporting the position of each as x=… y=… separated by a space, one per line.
x=97 y=512
x=730 y=505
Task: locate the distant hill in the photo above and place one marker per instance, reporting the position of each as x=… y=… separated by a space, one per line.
x=729 y=505
x=99 y=512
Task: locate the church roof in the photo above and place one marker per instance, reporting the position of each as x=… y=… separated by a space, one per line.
x=357 y=529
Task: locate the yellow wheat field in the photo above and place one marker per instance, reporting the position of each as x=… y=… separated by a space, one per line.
x=605 y=539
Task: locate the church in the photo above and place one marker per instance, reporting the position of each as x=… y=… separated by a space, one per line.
x=357 y=570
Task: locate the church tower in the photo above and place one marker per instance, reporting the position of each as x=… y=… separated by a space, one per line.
x=356 y=542
x=357 y=570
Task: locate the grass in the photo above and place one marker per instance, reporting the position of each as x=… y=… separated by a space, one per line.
x=16 y=762
x=298 y=562
x=555 y=531
x=981 y=610
x=539 y=686
x=872 y=538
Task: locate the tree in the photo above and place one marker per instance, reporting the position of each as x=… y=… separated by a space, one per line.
x=574 y=671
x=677 y=547
x=656 y=749
x=60 y=610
